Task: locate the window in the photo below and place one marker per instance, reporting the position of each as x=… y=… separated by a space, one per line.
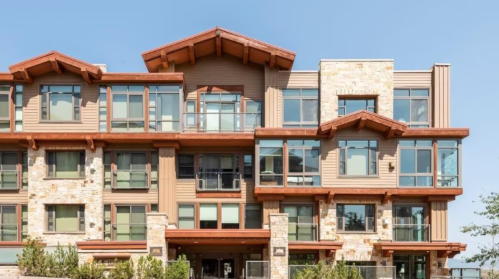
x=8 y=170
x=127 y=108
x=358 y=157
x=103 y=108
x=4 y=108
x=66 y=218
x=131 y=170
x=253 y=114
x=355 y=217
x=230 y=216
x=154 y=208
x=411 y=106
x=416 y=163
x=154 y=170
x=218 y=172
x=18 y=104
x=60 y=102
x=303 y=162
x=186 y=166
x=409 y=223
x=66 y=164
x=347 y=106
x=248 y=166
x=301 y=222
x=253 y=216
x=271 y=162
x=107 y=223
x=24 y=170
x=186 y=216
x=8 y=223
x=130 y=223
x=107 y=162
x=24 y=222
x=164 y=113
x=208 y=216
x=190 y=115
x=220 y=112
x=448 y=163
x=301 y=108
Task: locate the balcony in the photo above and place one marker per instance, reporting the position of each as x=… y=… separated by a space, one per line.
x=131 y=179
x=218 y=181
x=221 y=122
x=9 y=179
x=411 y=232
x=303 y=232
x=352 y=224
x=128 y=231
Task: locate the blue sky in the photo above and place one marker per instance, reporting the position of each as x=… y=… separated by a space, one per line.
x=414 y=33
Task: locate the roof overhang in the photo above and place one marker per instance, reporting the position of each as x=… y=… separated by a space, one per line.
x=218 y=40
x=444 y=249
x=329 y=246
x=217 y=237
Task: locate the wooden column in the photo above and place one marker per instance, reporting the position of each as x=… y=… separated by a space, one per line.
x=167 y=183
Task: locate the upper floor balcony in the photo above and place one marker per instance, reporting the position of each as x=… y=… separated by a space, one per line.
x=411 y=232
x=221 y=122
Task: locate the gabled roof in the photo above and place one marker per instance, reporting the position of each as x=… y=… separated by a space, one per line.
x=362 y=119
x=218 y=40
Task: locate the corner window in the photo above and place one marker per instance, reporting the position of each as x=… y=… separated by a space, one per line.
x=60 y=102
x=355 y=217
x=347 y=106
x=411 y=106
x=271 y=162
x=66 y=218
x=448 y=163
x=164 y=113
x=186 y=216
x=8 y=170
x=208 y=216
x=66 y=164
x=186 y=166
x=358 y=157
x=230 y=216
x=416 y=158
x=127 y=108
x=301 y=108
x=253 y=216
x=253 y=114
x=4 y=108
x=303 y=162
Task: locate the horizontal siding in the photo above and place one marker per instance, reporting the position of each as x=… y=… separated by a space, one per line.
x=130 y=196
x=269 y=207
x=412 y=80
x=89 y=110
x=226 y=70
x=186 y=192
x=387 y=154
x=14 y=197
x=298 y=79
x=438 y=226
x=441 y=96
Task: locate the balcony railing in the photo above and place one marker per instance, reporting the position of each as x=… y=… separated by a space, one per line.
x=218 y=181
x=128 y=231
x=303 y=232
x=9 y=179
x=131 y=179
x=221 y=122
x=9 y=232
x=365 y=224
x=411 y=232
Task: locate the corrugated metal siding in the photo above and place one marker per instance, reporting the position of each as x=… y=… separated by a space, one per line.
x=168 y=183
x=411 y=80
x=387 y=153
x=89 y=108
x=14 y=197
x=227 y=70
x=441 y=96
x=298 y=79
x=130 y=196
x=268 y=208
x=273 y=99
x=186 y=192
x=438 y=222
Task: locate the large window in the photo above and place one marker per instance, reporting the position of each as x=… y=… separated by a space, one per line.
x=208 y=216
x=220 y=112
x=358 y=157
x=303 y=162
x=4 y=108
x=8 y=223
x=230 y=216
x=66 y=218
x=355 y=217
x=302 y=259
x=271 y=162
x=186 y=166
x=409 y=223
x=164 y=113
x=301 y=107
x=130 y=223
x=131 y=170
x=253 y=114
x=448 y=163
x=253 y=216
x=60 y=102
x=301 y=222
x=411 y=106
x=186 y=216
x=127 y=108
x=416 y=158
x=66 y=164
x=347 y=106
x=8 y=170
x=218 y=172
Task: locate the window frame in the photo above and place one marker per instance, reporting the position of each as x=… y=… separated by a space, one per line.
x=17 y=170
x=459 y=162
x=53 y=166
x=245 y=206
x=411 y=124
x=54 y=218
x=18 y=218
x=104 y=90
x=157 y=108
x=114 y=212
x=47 y=107
x=127 y=120
x=147 y=170
x=374 y=230
x=8 y=118
x=360 y=98
x=222 y=216
x=193 y=217
x=193 y=165
x=415 y=175
x=236 y=172
x=369 y=175
x=245 y=175
x=301 y=123
x=304 y=174
x=259 y=114
x=219 y=215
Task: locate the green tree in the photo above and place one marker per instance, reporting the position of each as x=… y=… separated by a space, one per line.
x=34 y=261
x=489 y=253
x=328 y=271
x=122 y=270
x=92 y=270
x=178 y=269
x=150 y=268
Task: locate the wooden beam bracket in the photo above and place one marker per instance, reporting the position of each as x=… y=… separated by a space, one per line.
x=55 y=65
x=218 y=45
x=332 y=132
x=330 y=253
x=32 y=143
x=390 y=133
x=361 y=124
x=386 y=197
x=164 y=60
x=91 y=144
x=272 y=60
x=26 y=76
x=246 y=54
x=192 y=56
x=330 y=197
x=86 y=76
x=387 y=253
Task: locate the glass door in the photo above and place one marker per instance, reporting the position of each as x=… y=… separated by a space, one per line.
x=410 y=223
x=410 y=266
x=212 y=117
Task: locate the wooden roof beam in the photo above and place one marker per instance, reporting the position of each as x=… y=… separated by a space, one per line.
x=272 y=60
x=361 y=123
x=26 y=76
x=218 y=45
x=164 y=60
x=55 y=65
x=86 y=76
x=192 y=56
x=246 y=54
x=387 y=253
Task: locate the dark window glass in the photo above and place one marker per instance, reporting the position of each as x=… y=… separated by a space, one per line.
x=186 y=166
x=355 y=217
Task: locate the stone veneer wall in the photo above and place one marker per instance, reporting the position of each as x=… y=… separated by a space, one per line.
x=355 y=78
x=278 y=238
x=43 y=191
x=156 y=226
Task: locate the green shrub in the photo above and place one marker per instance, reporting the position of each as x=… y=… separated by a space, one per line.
x=93 y=270
x=328 y=271
x=122 y=270
x=63 y=261
x=34 y=261
x=150 y=268
x=178 y=269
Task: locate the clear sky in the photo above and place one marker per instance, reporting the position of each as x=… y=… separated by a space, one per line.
x=414 y=33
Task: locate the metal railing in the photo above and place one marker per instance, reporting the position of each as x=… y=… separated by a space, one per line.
x=218 y=181
x=355 y=224
x=258 y=269
x=455 y=277
x=9 y=232
x=137 y=179
x=411 y=232
x=221 y=122
x=303 y=232
x=9 y=180
x=127 y=232
x=366 y=272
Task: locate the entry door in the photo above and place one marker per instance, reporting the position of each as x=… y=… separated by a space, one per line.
x=410 y=266
x=227 y=268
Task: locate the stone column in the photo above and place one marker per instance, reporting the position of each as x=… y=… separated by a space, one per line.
x=156 y=226
x=278 y=246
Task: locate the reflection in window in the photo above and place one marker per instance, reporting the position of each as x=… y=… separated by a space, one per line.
x=186 y=166
x=186 y=216
x=358 y=157
x=248 y=166
x=271 y=162
x=448 y=163
x=416 y=163
x=411 y=106
x=66 y=218
x=301 y=222
x=164 y=106
x=355 y=217
x=127 y=108
x=65 y=164
x=301 y=107
x=303 y=163
x=347 y=106
x=208 y=216
x=60 y=102
x=253 y=216
x=131 y=170
x=4 y=108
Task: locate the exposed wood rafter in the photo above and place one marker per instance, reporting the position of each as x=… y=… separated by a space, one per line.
x=246 y=54
x=272 y=60
x=164 y=60
x=32 y=143
x=361 y=124
x=332 y=132
x=91 y=144
x=218 y=45
x=86 y=76
x=26 y=76
x=192 y=56
x=386 y=198
x=387 y=253
x=55 y=66
x=330 y=197
x=390 y=133
x=330 y=253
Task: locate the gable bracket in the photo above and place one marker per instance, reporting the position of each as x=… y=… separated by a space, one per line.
x=246 y=54
x=361 y=123
x=55 y=65
x=164 y=60
x=192 y=56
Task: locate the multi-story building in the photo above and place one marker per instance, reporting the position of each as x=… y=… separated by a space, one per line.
x=224 y=154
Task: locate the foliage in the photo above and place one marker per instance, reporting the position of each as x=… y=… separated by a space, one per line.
x=64 y=262
x=92 y=270
x=122 y=270
x=33 y=261
x=178 y=269
x=150 y=268
x=328 y=271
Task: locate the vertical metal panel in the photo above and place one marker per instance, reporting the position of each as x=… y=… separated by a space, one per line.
x=439 y=225
x=168 y=183
x=272 y=104
x=441 y=95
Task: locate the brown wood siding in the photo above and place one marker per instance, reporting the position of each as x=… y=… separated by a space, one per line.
x=227 y=70
x=186 y=192
x=298 y=79
x=89 y=107
x=441 y=96
x=168 y=183
x=130 y=196
x=412 y=79
x=438 y=221
x=273 y=99
x=268 y=208
x=387 y=154
x=14 y=197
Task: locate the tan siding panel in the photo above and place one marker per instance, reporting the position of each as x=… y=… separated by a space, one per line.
x=168 y=183
x=298 y=79
x=89 y=109
x=14 y=197
x=441 y=96
x=439 y=222
x=273 y=108
x=186 y=192
x=268 y=208
x=411 y=80
x=387 y=154
x=130 y=196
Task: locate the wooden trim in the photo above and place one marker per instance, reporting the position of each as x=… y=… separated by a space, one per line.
x=227 y=195
x=241 y=216
x=458 y=133
x=164 y=60
x=319 y=245
x=420 y=246
x=192 y=54
x=146 y=108
x=14 y=244
x=245 y=53
x=112 y=245
x=86 y=76
x=218 y=45
x=19 y=221
x=171 y=144
x=435 y=165
x=55 y=66
x=142 y=78
x=219 y=216
x=12 y=108
x=270 y=197
x=179 y=234
x=197 y=208
x=108 y=109
x=111 y=256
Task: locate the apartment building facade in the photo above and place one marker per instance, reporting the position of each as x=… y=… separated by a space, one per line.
x=221 y=152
